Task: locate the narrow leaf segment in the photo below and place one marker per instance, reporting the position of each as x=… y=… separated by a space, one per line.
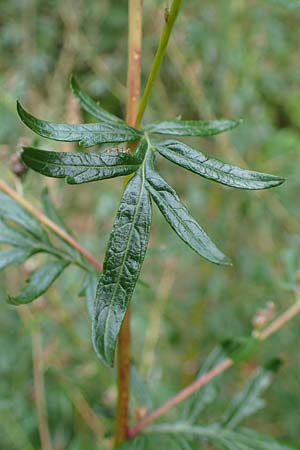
x=39 y=282
x=122 y=264
x=87 y=135
x=192 y=127
x=80 y=167
x=92 y=107
x=213 y=169
x=179 y=218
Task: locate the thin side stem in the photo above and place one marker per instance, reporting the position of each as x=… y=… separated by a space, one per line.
x=48 y=223
x=170 y=19
x=276 y=325
x=135 y=23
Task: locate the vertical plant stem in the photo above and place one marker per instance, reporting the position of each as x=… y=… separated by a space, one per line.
x=135 y=20
x=170 y=19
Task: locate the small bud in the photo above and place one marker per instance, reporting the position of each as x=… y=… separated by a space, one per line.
x=17 y=166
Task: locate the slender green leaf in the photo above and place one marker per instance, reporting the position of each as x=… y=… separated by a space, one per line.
x=208 y=394
x=39 y=282
x=11 y=236
x=11 y=210
x=51 y=211
x=140 y=389
x=213 y=169
x=14 y=256
x=80 y=167
x=221 y=438
x=192 y=127
x=88 y=291
x=92 y=107
x=179 y=218
x=87 y=135
x=122 y=264
x=249 y=400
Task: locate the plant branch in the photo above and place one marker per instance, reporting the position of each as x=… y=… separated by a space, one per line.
x=135 y=23
x=276 y=325
x=50 y=224
x=170 y=19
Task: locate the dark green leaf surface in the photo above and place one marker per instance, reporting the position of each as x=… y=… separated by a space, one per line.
x=86 y=134
x=92 y=107
x=192 y=127
x=11 y=210
x=88 y=291
x=179 y=218
x=213 y=169
x=122 y=264
x=249 y=400
x=39 y=282
x=14 y=256
x=80 y=167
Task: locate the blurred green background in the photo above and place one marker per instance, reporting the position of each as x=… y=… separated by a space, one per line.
x=234 y=58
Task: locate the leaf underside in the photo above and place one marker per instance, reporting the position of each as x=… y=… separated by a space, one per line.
x=213 y=169
x=122 y=264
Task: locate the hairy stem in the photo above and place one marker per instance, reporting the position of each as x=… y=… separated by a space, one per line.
x=276 y=325
x=48 y=223
x=170 y=19
x=135 y=21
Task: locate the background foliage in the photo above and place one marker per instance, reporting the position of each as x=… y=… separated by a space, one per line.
x=232 y=59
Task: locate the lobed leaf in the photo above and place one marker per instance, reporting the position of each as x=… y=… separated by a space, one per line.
x=79 y=167
x=213 y=169
x=86 y=134
x=179 y=218
x=92 y=107
x=122 y=264
x=192 y=127
x=249 y=400
x=39 y=282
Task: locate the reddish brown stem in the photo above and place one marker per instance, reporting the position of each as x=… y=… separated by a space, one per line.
x=220 y=368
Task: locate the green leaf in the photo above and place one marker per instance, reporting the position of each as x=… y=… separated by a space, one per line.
x=11 y=236
x=87 y=135
x=208 y=394
x=88 y=291
x=51 y=211
x=11 y=210
x=39 y=282
x=14 y=256
x=179 y=218
x=140 y=389
x=249 y=400
x=240 y=349
x=192 y=127
x=221 y=438
x=122 y=264
x=80 y=167
x=213 y=169
x=158 y=442
x=92 y=107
